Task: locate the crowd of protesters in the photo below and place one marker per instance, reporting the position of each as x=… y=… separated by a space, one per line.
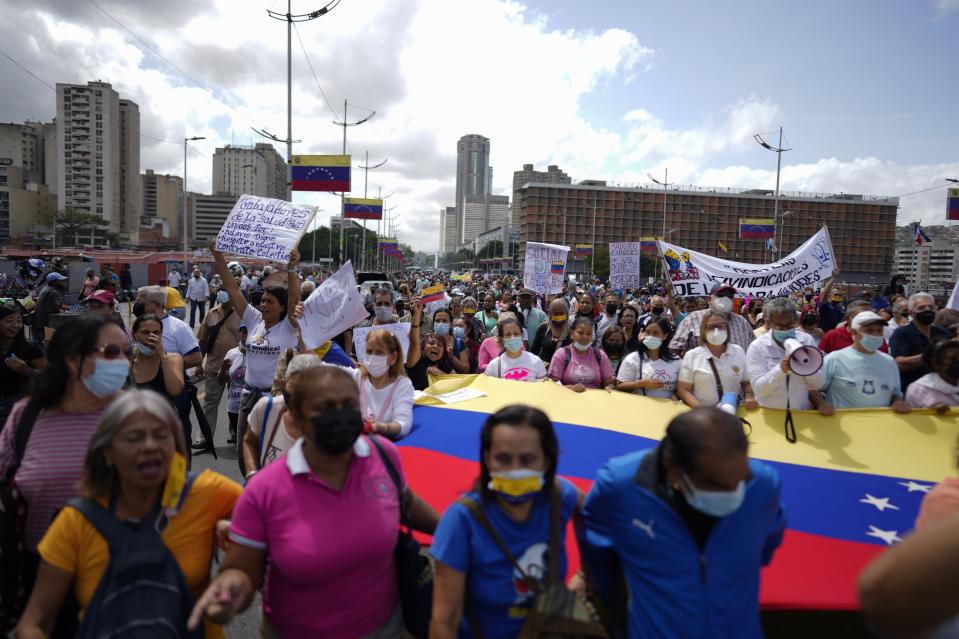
x=98 y=438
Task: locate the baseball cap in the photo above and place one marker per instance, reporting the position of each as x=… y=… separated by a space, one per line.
x=721 y=287
x=525 y=291
x=104 y=297
x=865 y=318
x=55 y=277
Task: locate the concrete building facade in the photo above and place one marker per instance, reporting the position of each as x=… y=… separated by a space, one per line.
x=862 y=228
x=552 y=175
x=206 y=215
x=26 y=208
x=97 y=157
x=24 y=145
x=482 y=213
x=448 y=242
x=474 y=175
x=254 y=170
x=932 y=267
x=162 y=201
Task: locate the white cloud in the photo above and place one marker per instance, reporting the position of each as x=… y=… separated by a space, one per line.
x=433 y=70
x=945 y=7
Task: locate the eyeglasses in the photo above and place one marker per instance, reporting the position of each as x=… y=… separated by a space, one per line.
x=112 y=351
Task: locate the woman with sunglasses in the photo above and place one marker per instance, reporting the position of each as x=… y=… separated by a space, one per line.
x=88 y=362
x=154 y=369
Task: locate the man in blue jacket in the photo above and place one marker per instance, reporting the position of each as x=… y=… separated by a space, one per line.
x=689 y=523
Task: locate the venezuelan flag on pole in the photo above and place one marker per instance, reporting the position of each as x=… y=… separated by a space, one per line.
x=320 y=173
x=648 y=245
x=846 y=497
x=363 y=208
x=583 y=250
x=952 y=204
x=753 y=228
x=388 y=244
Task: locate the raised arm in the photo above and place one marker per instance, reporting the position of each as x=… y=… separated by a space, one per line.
x=413 y=356
x=229 y=284
x=292 y=285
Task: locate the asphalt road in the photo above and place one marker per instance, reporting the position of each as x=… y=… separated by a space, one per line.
x=246 y=626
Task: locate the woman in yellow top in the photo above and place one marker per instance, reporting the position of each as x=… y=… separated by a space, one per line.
x=130 y=457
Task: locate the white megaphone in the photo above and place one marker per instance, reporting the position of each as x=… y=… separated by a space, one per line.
x=803 y=360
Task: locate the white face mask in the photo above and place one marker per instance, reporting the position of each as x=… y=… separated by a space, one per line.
x=717 y=336
x=376 y=365
x=383 y=313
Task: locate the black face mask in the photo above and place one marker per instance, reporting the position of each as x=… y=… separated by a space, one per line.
x=614 y=349
x=953 y=370
x=656 y=310
x=139 y=308
x=335 y=431
x=926 y=317
x=611 y=308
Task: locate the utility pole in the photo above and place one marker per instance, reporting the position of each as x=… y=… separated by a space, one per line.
x=778 y=150
x=665 y=184
x=185 y=258
x=345 y=123
x=366 y=182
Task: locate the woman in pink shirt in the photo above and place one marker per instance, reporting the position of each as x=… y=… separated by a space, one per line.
x=492 y=347
x=321 y=523
x=580 y=366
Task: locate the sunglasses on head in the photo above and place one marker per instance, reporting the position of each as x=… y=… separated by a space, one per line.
x=112 y=351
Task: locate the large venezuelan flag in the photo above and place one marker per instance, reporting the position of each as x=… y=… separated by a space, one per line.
x=320 y=173
x=852 y=485
x=756 y=228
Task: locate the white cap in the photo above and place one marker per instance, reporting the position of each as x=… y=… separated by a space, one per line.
x=866 y=317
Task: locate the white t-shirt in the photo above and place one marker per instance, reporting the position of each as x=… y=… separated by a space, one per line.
x=636 y=367
x=174 y=279
x=264 y=347
x=373 y=401
x=697 y=371
x=236 y=375
x=525 y=368
x=282 y=441
x=178 y=337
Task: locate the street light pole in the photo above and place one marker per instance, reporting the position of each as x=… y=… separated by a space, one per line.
x=778 y=150
x=366 y=183
x=185 y=140
x=345 y=123
x=665 y=184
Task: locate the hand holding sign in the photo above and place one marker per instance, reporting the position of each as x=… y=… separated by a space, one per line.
x=264 y=228
x=332 y=308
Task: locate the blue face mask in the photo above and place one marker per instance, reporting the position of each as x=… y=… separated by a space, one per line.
x=513 y=344
x=109 y=376
x=871 y=343
x=715 y=503
x=441 y=329
x=459 y=332
x=582 y=348
x=782 y=336
x=144 y=349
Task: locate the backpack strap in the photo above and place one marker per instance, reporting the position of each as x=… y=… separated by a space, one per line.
x=259 y=444
x=555 y=498
x=395 y=476
x=22 y=435
x=484 y=521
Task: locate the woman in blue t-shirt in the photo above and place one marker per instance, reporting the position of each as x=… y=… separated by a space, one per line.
x=476 y=585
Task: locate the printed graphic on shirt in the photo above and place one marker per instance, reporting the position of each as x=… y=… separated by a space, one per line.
x=534 y=564
x=868 y=387
x=582 y=374
x=519 y=374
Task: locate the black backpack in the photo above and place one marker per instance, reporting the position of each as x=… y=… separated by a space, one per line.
x=143 y=593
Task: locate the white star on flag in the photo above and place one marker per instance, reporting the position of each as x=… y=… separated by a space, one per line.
x=881 y=503
x=888 y=536
x=914 y=487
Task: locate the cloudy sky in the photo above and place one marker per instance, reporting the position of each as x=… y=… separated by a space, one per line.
x=866 y=90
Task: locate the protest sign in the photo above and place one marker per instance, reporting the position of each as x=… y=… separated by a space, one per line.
x=332 y=308
x=693 y=273
x=265 y=228
x=624 y=265
x=545 y=264
x=400 y=329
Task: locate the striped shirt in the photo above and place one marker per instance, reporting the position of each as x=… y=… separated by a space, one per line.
x=686 y=337
x=52 y=465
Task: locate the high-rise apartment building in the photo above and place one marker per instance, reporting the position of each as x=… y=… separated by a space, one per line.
x=931 y=267
x=482 y=213
x=208 y=213
x=24 y=146
x=97 y=157
x=862 y=228
x=130 y=202
x=162 y=201
x=552 y=175
x=474 y=175
x=253 y=170
x=448 y=242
